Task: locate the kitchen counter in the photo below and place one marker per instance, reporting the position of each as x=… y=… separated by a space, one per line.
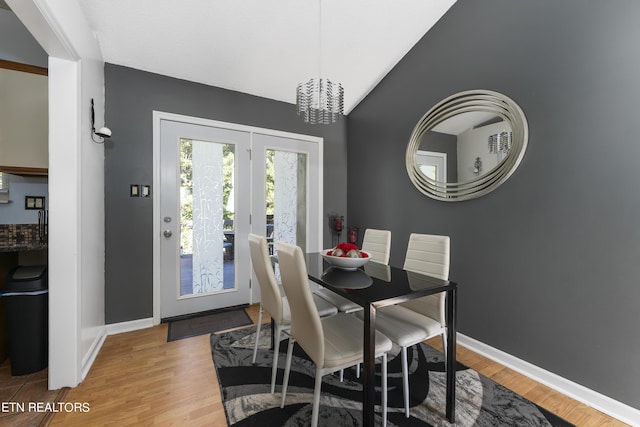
x=22 y=247
x=23 y=237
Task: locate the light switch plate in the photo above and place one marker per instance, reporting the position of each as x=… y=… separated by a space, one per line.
x=34 y=202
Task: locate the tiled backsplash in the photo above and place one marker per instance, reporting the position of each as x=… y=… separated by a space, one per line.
x=22 y=234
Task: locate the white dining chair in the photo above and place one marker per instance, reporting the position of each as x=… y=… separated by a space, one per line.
x=332 y=343
x=414 y=321
x=377 y=243
x=272 y=301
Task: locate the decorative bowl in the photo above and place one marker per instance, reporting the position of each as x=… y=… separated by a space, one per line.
x=346 y=263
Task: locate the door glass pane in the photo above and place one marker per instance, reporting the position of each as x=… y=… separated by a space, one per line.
x=429 y=171
x=286 y=198
x=206 y=217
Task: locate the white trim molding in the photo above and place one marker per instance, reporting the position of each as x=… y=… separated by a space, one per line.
x=133 y=325
x=112 y=329
x=90 y=357
x=602 y=403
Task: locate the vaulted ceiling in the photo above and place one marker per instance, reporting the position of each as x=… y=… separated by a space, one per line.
x=263 y=47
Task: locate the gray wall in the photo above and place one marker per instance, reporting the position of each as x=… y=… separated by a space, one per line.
x=131 y=96
x=548 y=264
x=17 y=44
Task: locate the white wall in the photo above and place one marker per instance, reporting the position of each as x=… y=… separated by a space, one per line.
x=91 y=203
x=76 y=186
x=64 y=225
x=23 y=119
x=475 y=143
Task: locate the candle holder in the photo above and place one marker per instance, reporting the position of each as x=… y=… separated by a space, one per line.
x=337 y=224
x=352 y=235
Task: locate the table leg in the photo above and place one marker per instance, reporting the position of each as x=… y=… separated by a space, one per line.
x=451 y=355
x=369 y=375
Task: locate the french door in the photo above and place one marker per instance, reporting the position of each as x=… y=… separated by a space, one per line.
x=287 y=193
x=218 y=182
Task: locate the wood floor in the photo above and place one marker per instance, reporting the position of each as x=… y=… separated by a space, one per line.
x=140 y=379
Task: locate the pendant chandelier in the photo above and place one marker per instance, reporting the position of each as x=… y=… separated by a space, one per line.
x=500 y=142
x=319 y=101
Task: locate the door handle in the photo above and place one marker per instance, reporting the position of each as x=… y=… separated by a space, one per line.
x=167 y=233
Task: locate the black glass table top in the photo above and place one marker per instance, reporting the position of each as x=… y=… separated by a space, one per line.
x=374 y=283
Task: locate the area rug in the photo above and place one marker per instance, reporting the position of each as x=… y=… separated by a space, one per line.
x=206 y=324
x=248 y=402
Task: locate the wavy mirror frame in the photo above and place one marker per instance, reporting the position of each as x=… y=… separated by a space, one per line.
x=463 y=102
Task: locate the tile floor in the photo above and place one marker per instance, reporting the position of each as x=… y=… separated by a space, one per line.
x=22 y=390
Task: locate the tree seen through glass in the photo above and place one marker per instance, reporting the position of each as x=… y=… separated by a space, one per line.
x=186 y=190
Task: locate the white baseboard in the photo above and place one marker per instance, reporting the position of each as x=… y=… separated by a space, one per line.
x=602 y=403
x=112 y=329
x=133 y=325
x=90 y=357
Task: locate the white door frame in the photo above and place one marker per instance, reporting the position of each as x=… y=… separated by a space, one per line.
x=433 y=158
x=158 y=116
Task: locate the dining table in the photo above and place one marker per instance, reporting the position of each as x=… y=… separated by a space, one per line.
x=376 y=285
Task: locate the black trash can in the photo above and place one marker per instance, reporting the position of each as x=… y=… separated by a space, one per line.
x=26 y=301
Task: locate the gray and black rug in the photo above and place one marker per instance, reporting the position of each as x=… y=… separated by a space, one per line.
x=248 y=402
x=207 y=323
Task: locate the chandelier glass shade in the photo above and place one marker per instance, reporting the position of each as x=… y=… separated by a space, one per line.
x=320 y=101
x=500 y=142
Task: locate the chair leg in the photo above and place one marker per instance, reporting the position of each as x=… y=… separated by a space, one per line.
x=287 y=368
x=276 y=352
x=384 y=389
x=444 y=345
x=255 y=347
x=358 y=370
x=405 y=381
x=316 y=398
x=341 y=375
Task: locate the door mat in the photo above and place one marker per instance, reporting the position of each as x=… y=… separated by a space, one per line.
x=207 y=324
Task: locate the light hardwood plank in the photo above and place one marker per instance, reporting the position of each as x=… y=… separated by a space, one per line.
x=565 y=407
x=140 y=379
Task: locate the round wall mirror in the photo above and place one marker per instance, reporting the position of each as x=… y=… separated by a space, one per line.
x=466 y=145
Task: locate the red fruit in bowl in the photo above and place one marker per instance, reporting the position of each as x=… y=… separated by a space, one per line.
x=346 y=247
